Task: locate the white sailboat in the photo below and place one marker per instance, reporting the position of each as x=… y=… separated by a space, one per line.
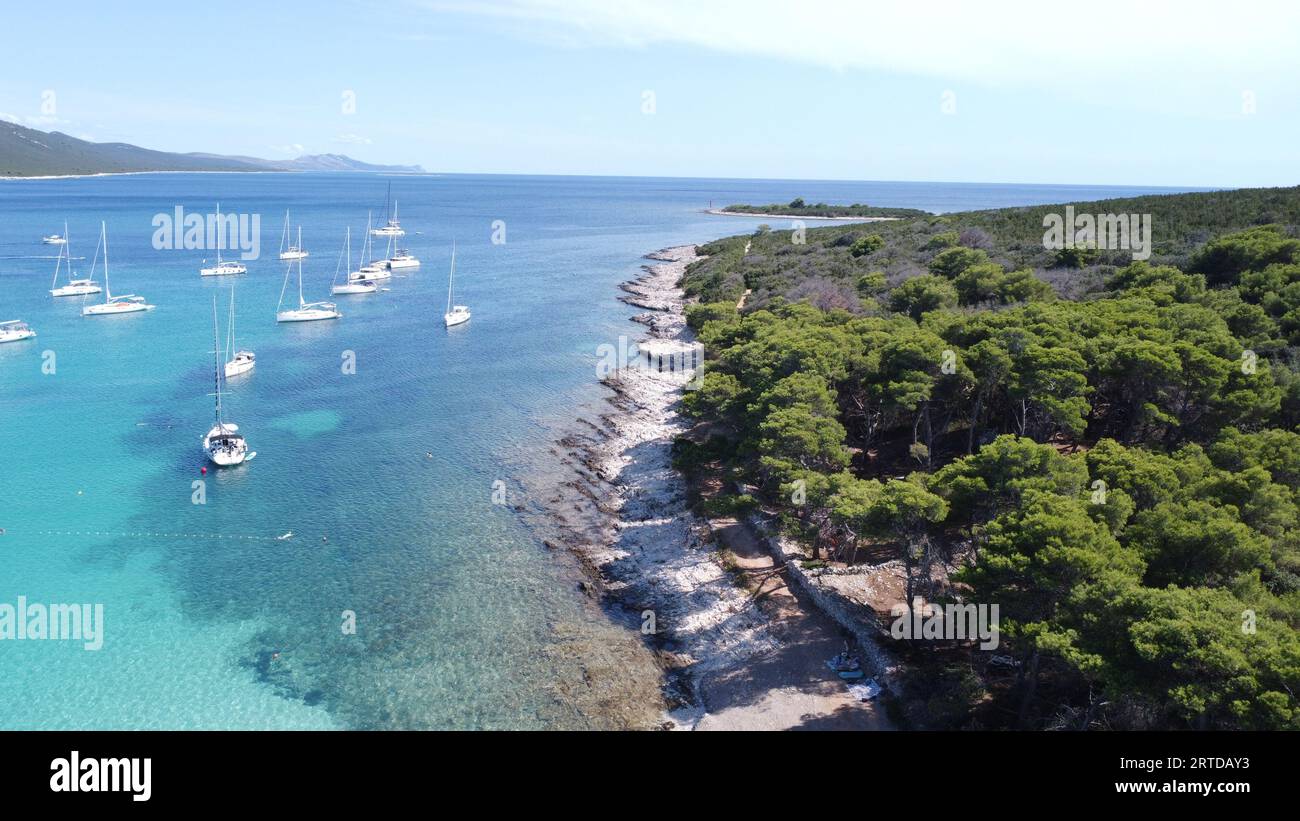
x=222 y=269
x=391 y=227
x=223 y=444
x=456 y=314
x=55 y=239
x=374 y=269
x=352 y=286
x=306 y=311
x=15 y=330
x=75 y=287
x=293 y=251
x=399 y=257
x=112 y=305
x=244 y=360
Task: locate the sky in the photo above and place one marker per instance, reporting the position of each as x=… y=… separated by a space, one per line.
x=1184 y=93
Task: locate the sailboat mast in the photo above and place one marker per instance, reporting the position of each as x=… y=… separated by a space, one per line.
x=103 y=237
x=452 y=275
x=216 y=369
x=230 y=328
x=301 y=301
x=58 y=260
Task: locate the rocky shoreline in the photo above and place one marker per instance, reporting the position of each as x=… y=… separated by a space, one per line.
x=624 y=513
x=619 y=506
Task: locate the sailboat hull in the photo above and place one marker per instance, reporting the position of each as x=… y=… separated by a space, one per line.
x=294 y=255
x=306 y=315
x=77 y=290
x=224 y=270
x=225 y=450
x=358 y=287
x=237 y=367
x=114 y=308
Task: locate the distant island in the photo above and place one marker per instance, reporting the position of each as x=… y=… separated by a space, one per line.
x=27 y=152
x=798 y=208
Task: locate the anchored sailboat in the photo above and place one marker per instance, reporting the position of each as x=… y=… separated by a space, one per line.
x=128 y=304
x=306 y=311
x=15 y=330
x=456 y=314
x=243 y=360
x=399 y=257
x=75 y=287
x=391 y=227
x=374 y=269
x=352 y=286
x=293 y=251
x=222 y=269
x=223 y=443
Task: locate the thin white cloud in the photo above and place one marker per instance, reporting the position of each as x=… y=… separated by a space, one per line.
x=353 y=139
x=42 y=121
x=1027 y=42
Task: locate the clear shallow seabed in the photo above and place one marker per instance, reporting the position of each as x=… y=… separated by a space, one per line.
x=463 y=619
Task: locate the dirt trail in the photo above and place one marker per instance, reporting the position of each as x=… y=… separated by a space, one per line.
x=788 y=687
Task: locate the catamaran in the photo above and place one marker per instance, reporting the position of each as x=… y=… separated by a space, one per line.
x=75 y=287
x=222 y=269
x=243 y=361
x=399 y=257
x=15 y=330
x=128 y=304
x=223 y=443
x=55 y=239
x=391 y=226
x=374 y=269
x=456 y=314
x=293 y=251
x=306 y=311
x=352 y=286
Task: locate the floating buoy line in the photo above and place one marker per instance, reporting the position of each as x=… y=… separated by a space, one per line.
x=150 y=534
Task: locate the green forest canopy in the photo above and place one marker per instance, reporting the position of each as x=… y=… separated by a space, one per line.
x=1110 y=450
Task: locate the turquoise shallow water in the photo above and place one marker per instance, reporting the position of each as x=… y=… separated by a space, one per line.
x=459 y=611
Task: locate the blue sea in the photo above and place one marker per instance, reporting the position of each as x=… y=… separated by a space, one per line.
x=385 y=476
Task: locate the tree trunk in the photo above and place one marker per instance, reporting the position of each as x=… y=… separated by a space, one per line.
x=1031 y=688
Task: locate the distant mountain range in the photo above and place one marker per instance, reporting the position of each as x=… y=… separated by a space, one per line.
x=26 y=152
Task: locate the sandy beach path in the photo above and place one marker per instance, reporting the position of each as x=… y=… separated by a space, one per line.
x=789 y=687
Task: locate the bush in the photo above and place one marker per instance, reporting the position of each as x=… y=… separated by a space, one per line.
x=866 y=246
